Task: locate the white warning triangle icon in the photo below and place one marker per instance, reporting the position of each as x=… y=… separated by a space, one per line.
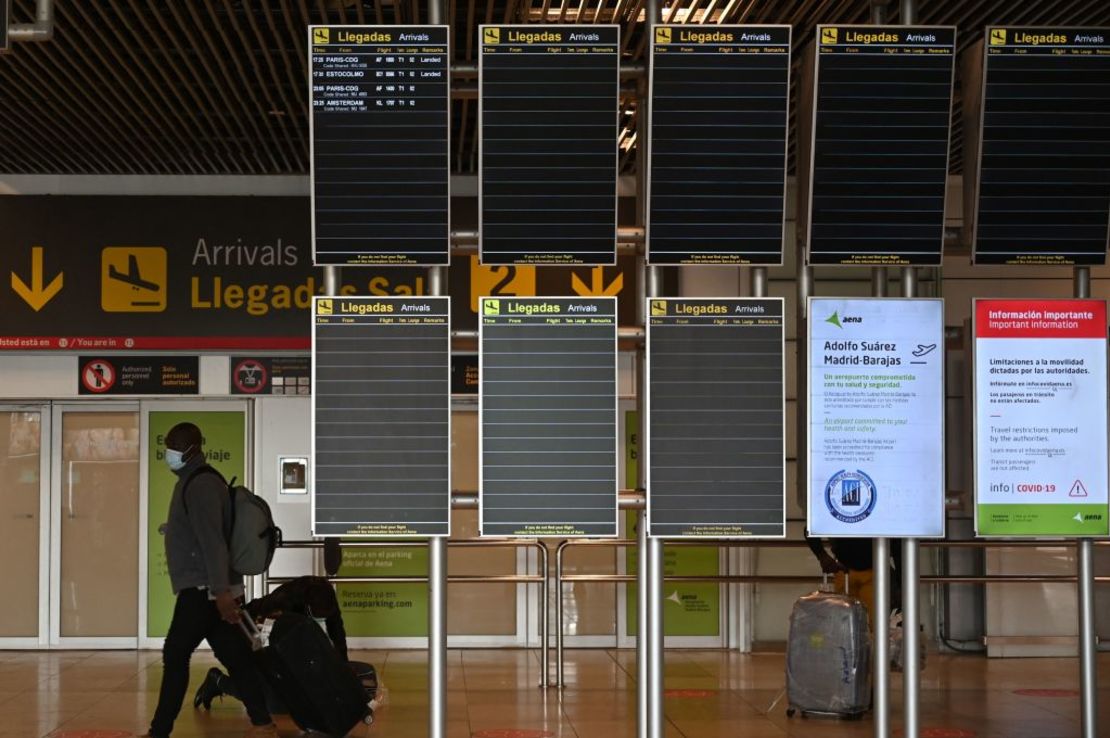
x=1078 y=490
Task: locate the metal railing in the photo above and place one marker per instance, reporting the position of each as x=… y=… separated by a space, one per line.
x=541 y=579
x=632 y=500
x=934 y=579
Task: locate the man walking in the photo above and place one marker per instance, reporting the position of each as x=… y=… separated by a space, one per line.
x=209 y=593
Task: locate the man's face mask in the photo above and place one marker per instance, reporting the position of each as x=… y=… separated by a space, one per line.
x=175 y=459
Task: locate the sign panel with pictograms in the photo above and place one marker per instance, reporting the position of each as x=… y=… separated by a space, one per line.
x=98 y=376
x=133 y=279
x=271 y=375
x=1041 y=418
x=139 y=375
x=217 y=274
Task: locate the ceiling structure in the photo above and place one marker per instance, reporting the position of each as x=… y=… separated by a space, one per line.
x=219 y=86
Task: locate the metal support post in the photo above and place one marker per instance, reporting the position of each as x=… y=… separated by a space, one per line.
x=651 y=586
x=648 y=649
x=437 y=637
x=643 y=626
x=881 y=629
x=559 y=615
x=655 y=638
x=332 y=280
x=909 y=15
x=437 y=547
x=911 y=614
x=759 y=281
x=545 y=616
x=1088 y=642
x=879 y=279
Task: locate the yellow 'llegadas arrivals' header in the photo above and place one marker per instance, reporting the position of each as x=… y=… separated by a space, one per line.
x=749 y=36
x=377 y=35
x=531 y=35
x=847 y=38
x=1072 y=38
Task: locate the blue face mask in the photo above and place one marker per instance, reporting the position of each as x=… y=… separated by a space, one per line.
x=175 y=459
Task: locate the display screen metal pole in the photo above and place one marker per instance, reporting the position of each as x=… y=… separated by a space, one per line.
x=1088 y=642
x=437 y=547
x=911 y=631
x=437 y=585
x=649 y=640
x=881 y=546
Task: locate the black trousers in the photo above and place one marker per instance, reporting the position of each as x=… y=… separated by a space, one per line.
x=195 y=619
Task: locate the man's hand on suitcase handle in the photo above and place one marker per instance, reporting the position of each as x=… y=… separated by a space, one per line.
x=228 y=607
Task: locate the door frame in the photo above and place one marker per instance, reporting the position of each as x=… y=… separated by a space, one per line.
x=197 y=405
x=56 y=639
x=41 y=639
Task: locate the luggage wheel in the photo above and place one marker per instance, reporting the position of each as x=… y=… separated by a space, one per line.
x=790 y=712
x=369 y=719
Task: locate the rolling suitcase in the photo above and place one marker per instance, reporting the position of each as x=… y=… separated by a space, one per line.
x=318 y=689
x=828 y=658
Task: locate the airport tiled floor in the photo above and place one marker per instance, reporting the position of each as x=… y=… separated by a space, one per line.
x=493 y=692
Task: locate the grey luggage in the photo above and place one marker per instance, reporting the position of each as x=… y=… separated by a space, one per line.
x=828 y=657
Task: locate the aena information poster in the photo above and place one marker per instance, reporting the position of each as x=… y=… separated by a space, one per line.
x=1040 y=418
x=876 y=417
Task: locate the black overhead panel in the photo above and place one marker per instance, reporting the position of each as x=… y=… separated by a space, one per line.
x=719 y=113
x=878 y=160
x=219 y=86
x=1042 y=186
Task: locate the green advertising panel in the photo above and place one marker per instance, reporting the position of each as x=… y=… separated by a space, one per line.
x=388 y=609
x=225 y=447
x=689 y=608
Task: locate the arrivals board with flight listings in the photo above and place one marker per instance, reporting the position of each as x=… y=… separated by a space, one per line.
x=1043 y=194
x=548 y=416
x=381 y=413
x=548 y=110
x=380 y=130
x=716 y=415
x=880 y=142
x=719 y=120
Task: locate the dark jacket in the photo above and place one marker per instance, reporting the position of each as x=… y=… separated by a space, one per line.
x=312 y=596
x=196 y=540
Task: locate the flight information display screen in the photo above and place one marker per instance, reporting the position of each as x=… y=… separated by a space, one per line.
x=548 y=129
x=1044 y=149
x=715 y=430
x=719 y=109
x=381 y=407
x=879 y=168
x=379 y=145
x=548 y=415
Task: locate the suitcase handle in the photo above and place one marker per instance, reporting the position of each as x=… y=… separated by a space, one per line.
x=250 y=630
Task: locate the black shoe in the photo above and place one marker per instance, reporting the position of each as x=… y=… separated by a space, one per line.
x=208 y=690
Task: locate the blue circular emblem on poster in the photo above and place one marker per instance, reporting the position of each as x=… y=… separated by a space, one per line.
x=850 y=496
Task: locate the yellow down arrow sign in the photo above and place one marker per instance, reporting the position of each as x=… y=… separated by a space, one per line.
x=37 y=295
x=597 y=286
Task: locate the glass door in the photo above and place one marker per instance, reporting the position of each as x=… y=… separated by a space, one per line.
x=95 y=526
x=24 y=531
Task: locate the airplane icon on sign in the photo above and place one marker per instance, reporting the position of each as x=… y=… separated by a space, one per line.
x=133 y=279
x=133 y=276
